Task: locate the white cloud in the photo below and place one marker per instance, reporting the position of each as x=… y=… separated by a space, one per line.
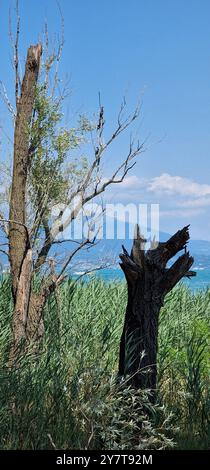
x=185 y=197
x=178 y=198
x=133 y=182
x=166 y=183
x=130 y=183
x=178 y=185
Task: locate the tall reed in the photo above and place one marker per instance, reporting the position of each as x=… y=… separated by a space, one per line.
x=68 y=396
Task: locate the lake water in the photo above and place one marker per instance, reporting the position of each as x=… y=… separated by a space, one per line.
x=200 y=281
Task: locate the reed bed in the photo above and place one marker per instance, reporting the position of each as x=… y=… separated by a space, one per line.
x=67 y=396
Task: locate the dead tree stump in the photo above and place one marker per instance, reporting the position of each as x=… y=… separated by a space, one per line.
x=148 y=282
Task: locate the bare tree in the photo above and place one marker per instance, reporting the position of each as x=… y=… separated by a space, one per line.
x=41 y=178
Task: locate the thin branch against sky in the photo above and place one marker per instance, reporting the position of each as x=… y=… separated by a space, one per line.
x=122 y=48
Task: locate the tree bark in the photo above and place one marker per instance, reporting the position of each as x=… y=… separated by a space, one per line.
x=148 y=281
x=18 y=239
x=27 y=333
x=20 y=252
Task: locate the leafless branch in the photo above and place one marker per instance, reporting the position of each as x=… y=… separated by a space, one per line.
x=59 y=52
x=42 y=255
x=48 y=61
x=102 y=147
x=15 y=47
x=6 y=100
x=72 y=254
x=90 y=271
x=86 y=191
x=16 y=54
x=101 y=120
x=67 y=240
x=39 y=215
x=125 y=167
x=5 y=226
x=4 y=252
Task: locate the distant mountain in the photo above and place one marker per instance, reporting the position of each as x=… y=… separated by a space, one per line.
x=107 y=252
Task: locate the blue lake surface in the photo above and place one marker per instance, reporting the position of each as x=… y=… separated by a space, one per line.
x=200 y=281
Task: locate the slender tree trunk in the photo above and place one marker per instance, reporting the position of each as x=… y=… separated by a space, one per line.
x=20 y=252
x=22 y=299
x=35 y=324
x=27 y=332
x=148 y=282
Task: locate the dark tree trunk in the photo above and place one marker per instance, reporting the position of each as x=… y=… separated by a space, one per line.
x=20 y=252
x=148 y=281
x=27 y=331
x=18 y=236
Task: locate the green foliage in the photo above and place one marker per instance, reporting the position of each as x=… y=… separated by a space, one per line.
x=54 y=171
x=184 y=368
x=70 y=395
x=123 y=418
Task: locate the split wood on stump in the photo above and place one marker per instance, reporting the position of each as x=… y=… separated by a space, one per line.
x=148 y=282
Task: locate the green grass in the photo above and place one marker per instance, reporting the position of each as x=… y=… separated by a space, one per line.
x=68 y=396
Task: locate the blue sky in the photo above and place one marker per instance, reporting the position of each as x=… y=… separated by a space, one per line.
x=158 y=48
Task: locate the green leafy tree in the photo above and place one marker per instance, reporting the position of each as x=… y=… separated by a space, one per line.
x=47 y=172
